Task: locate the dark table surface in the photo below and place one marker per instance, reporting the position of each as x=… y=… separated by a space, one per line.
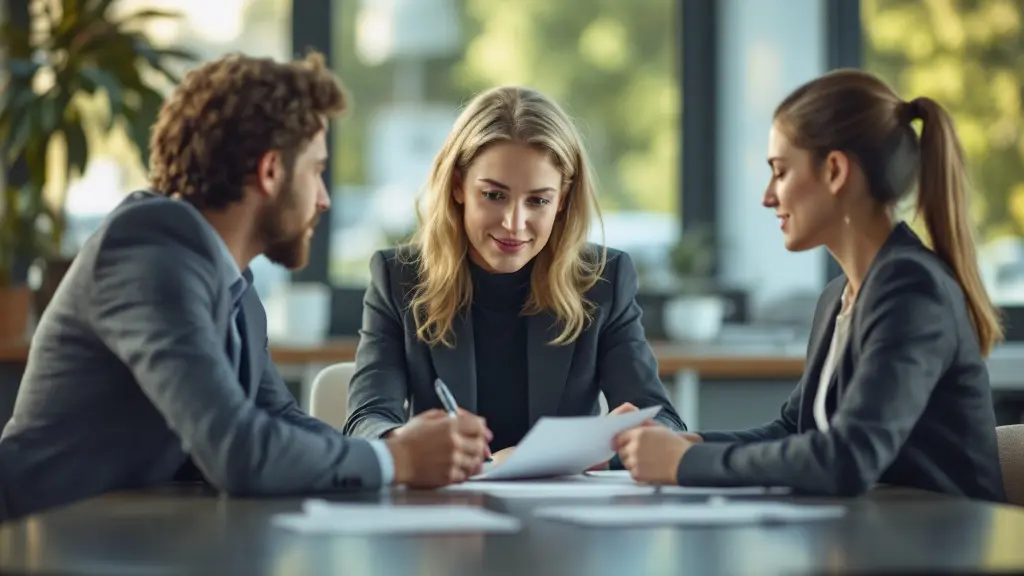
x=189 y=530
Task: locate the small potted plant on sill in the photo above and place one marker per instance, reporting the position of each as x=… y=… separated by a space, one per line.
x=697 y=310
x=58 y=54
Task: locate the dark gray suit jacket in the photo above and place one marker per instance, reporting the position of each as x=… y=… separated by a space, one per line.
x=909 y=403
x=128 y=376
x=393 y=366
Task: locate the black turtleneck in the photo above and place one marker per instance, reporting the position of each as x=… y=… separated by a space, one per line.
x=499 y=334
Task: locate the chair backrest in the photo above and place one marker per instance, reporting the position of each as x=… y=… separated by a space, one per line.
x=328 y=398
x=1011 y=460
x=6 y=463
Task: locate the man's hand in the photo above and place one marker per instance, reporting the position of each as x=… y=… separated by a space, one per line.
x=435 y=449
x=394 y=432
x=652 y=453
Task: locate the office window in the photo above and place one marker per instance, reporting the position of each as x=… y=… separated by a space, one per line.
x=968 y=55
x=411 y=64
x=209 y=29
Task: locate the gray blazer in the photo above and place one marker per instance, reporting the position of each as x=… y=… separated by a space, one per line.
x=129 y=376
x=393 y=366
x=909 y=403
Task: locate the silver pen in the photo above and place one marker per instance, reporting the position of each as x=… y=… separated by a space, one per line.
x=447 y=400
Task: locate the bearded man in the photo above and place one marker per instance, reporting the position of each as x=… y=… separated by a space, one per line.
x=150 y=365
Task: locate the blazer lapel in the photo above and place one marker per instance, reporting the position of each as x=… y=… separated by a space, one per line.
x=547 y=366
x=821 y=340
x=456 y=366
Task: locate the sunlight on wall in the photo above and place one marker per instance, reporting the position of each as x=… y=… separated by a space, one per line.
x=216 y=22
x=209 y=28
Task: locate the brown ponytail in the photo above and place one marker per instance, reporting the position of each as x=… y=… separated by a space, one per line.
x=942 y=200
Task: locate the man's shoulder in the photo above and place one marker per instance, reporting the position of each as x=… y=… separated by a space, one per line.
x=147 y=217
x=151 y=212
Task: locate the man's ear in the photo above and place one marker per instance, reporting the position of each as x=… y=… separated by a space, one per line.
x=458 y=191
x=269 y=170
x=837 y=171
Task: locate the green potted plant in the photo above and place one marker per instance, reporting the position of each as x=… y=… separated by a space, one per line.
x=696 y=311
x=57 y=55
x=692 y=259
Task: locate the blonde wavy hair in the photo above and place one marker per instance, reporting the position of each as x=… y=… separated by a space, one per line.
x=564 y=269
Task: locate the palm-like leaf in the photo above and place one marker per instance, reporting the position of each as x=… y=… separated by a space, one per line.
x=87 y=50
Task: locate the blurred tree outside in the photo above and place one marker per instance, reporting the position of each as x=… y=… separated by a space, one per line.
x=612 y=66
x=969 y=56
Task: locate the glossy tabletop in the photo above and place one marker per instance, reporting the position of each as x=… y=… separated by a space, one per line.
x=189 y=530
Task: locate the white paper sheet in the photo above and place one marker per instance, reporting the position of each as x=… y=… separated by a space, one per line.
x=622 y=477
x=599 y=484
x=716 y=513
x=552 y=489
x=565 y=445
x=320 y=516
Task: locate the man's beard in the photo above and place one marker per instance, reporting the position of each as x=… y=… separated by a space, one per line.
x=284 y=245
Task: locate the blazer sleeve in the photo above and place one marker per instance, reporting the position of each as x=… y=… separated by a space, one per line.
x=379 y=387
x=907 y=339
x=627 y=368
x=274 y=397
x=152 y=300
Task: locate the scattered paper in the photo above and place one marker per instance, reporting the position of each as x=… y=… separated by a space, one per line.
x=718 y=512
x=552 y=489
x=622 y=477
x=320 y=516
x=565 y=445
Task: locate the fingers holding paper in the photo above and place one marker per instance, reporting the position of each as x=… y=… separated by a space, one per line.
x=651 y=453
x=624 y=408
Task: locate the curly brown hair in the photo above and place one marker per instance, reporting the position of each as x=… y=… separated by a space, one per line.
x=226 y=114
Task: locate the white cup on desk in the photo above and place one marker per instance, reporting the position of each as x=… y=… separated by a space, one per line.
x=299 y=313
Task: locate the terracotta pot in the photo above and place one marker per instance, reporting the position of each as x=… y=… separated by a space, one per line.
x=15 y=312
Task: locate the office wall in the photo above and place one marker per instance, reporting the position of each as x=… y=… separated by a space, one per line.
x=766 y=48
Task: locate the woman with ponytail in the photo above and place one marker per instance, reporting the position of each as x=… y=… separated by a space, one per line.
x=896 y=389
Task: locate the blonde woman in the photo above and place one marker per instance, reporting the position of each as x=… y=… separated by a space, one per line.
x=499 y=294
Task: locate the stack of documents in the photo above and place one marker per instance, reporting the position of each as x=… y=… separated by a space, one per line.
x=320 y=516
x=712 y=513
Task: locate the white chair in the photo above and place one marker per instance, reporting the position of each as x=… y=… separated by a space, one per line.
x=1011 y=459
x=328 y=396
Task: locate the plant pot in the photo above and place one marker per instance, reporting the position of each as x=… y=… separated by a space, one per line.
x=15 y=307
x=44 y=276
x=695 y=318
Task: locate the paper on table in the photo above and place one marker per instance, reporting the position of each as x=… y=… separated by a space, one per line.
x=320 y=516
x=552 y=489
x=695 y=514
x=600 y=484
x=620 y=477
x=562 y=446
